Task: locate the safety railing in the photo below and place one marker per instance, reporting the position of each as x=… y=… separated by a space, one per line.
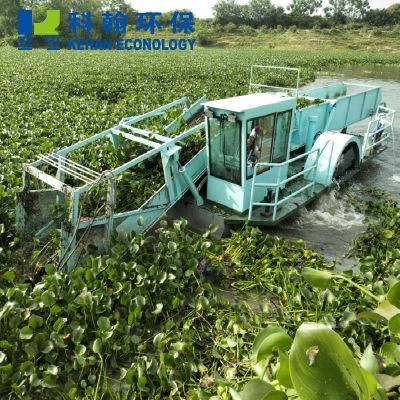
x=274 y=68
x=280 y=182
x=380 y=129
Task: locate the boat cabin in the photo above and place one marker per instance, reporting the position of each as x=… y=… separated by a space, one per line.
x=241 y=132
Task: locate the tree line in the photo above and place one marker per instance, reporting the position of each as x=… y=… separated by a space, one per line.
x=304 y=13
x=256 y=13
x=9 y=13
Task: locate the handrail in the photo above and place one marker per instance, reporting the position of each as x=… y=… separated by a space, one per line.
x=280 y=182
x=251 y=84
x=360 y=85
x=282 y=164
x=387 y=125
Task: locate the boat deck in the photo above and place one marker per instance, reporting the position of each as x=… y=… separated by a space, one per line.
x=261 y=216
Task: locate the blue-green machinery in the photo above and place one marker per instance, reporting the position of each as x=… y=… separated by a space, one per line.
x=301 y=153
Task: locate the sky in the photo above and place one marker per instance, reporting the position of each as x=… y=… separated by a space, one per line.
x=203 y=8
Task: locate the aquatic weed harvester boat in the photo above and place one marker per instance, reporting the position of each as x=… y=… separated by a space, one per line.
x=266 y=154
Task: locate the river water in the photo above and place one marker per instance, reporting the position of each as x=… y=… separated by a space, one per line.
x=330 y=223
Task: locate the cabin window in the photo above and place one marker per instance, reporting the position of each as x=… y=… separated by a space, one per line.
x=281 y=137
x=260 y=132
x=225 y=149
x=267 y=140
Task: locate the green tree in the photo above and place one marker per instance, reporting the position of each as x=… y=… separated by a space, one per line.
x=226 y=11
x=343 y=11
x=124 y=7
x=304 y=7
x=394 y=13
x=379 y=17
x=261 y=12
x=165 y=18
x=8 y=16
x=94 y=7
x=255 y=14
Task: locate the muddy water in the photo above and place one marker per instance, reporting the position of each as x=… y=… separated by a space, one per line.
x=330 y=224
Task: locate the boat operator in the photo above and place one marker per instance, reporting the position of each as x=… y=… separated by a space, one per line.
x=254 y=144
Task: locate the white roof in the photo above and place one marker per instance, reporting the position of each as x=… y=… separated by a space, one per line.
x=247 y=102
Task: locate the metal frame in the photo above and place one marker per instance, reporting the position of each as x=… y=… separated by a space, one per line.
x=281 y=182
x=287 y=89
x=384 y=116
x=178 y=179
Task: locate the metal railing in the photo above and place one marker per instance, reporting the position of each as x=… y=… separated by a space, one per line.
x=287 y=89
x=381 y=124
x=280 y=182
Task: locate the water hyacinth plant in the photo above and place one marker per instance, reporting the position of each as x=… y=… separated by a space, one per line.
x=176 y=314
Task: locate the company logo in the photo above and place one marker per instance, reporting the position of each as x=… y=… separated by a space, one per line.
x=114 y=25
x=46 y=28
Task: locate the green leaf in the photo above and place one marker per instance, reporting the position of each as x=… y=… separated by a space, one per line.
x=84 y=299
x=158 y=309
x=283 y=372
x=322 y=366
x=97 y=346
x=49 y=382
x=6 y=370
x=316 y=278
x=172 y=246
x=371 y=382
x=234 y=394
x=48 y=346
x=391 y=352
x=80 y=350
x=368 y=361
x=134 y=315
x=255 y=390
x=122 y=373
x=394 y=324
x=57 y=339
x=270 y=339
x=35 y=321
x=140 y=301
x=157 y=339
x=103 y=323
x=25 y=333
x=231 y=341
x=52 y=370
x=388 y=234
x=275 y=395
x=31 y=349
x=59 y=324
x=9 y=276
x=27 y=368
x=34 y=380
x=386 y=310
x=72 y=393
x=372 y=315
x=393 y=295
x=4 y=344
x=388 y=382
x=48 y=298
x=77 y=334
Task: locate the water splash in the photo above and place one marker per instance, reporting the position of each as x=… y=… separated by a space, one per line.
x=331 y=211
x=395 y=178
